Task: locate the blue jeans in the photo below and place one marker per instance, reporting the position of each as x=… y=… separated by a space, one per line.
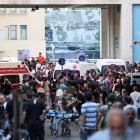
x=84 y=135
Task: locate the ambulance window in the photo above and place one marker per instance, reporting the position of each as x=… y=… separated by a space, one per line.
x=14 y=79
x=57 y=73
x=70 y=72
x=94 y=71
x=116 y=67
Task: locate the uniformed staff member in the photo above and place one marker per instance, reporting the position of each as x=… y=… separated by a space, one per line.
x=35 y=119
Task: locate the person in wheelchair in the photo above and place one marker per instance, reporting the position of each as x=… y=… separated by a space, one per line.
x=68 y=105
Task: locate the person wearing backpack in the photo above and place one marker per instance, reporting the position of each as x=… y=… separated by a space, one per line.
x=104 y=109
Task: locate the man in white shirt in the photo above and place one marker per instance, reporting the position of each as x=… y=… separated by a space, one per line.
x=38 y=66
x=33 y=72
x=59 y=96
x=135 y=95
x=59 y=93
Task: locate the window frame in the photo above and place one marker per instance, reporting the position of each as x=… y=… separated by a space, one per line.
x=22 y=36
x=23 y=12
x=11 y=10
x=15 y=32
x=3 y=11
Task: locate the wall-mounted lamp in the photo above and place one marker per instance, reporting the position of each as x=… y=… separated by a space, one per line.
x=35 y=8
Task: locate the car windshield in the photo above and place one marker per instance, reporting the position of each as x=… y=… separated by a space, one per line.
x=116 y=67
x=70 y=72
x=94 y=71
x=14 y=79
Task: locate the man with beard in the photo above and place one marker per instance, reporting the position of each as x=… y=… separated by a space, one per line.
x=133 y=124
x=116 y=130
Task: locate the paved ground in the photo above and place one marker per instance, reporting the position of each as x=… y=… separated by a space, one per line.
x=61 y=138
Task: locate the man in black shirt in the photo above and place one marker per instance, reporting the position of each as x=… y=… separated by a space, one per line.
x=35 y=118
x=119 y=86
x=10 y=110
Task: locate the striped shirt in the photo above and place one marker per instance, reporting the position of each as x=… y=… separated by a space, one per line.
x=89 y=110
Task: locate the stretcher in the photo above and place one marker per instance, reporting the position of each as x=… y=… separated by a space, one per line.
x=62 y=119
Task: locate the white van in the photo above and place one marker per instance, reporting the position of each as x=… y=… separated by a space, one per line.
x=14 y=72
x=88 y=66
x=104 y=64
x=69 y=67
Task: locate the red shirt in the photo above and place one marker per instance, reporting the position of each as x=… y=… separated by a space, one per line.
x=41 y=59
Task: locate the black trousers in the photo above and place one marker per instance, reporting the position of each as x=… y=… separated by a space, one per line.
x=138 y=111
x=36 y=134
x=104 y=96
x=1 y=123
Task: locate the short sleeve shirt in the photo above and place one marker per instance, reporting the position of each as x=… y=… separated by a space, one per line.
x=90 y=110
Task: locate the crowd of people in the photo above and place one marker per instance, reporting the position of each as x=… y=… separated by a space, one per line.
x=108 y=104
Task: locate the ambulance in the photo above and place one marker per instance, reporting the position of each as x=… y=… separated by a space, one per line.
x=75 y=67
x=69 y=67
x=14 y=72
x=88 y=66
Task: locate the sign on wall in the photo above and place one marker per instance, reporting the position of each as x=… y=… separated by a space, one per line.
x=23 y=54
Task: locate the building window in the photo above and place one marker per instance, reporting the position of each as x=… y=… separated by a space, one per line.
x=12 y=10
x=13 y=32
x=3 y=33
x=23 y=32
x=23 y=10
x=2 y=10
